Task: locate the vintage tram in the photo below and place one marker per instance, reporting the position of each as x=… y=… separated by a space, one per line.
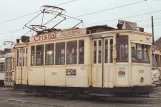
x=156 y=67
x=2 y=71
x=9 y=68
x=93 y=61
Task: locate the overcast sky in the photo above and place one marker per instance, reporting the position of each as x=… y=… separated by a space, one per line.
x=11 y=9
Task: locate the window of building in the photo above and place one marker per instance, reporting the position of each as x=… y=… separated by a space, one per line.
x=71 y=52
x=49 y=54
x=140 y=53
x=111 y=50
x=32 y=55
x=122 y=48
x=106 y=51
x=99 y=51
x=81 y=51
x=60 y=53
x=2 y=67
x=154 y=61
x=39 y=55
x=160 y=60
x=95 y=52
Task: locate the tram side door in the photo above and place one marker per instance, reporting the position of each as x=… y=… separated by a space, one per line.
x=102 y=66
x=21 y=69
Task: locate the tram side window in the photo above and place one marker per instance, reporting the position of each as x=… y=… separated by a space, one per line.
x=95 y=52
x=106 y=51
x=122 y=48
x=17 y=57
x=26 y=57
x=99 y=51
x=2 y=67
x=39 y=55
x=23 y=59
x=111 y=50
x=10 y=63
x=71 y=52
x=140 y=53
x=81 y=51
x=32 y=55
x=60 y=53
x=49 y=54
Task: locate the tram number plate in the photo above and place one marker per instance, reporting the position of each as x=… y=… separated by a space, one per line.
x=141 y=71
x=54 y=73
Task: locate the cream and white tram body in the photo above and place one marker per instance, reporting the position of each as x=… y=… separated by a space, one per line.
x=9 y=69
x=2 y=71
x=156 y=68
x=78 y=61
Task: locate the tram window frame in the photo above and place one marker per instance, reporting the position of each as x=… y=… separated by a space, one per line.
x=95 y=51
x=2 y=66
x=111 y=50
x=106 y=50
x=122 y=42
x=51 y=57
x=60 y=53
x=18 y=57
x=41 y=53
x=81 y=52
x=142 y=53
x=99 y=51
x=32 y=55
x=71 y=52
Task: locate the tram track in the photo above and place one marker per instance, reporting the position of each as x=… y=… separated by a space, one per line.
x=22 y=99
x=28 y=103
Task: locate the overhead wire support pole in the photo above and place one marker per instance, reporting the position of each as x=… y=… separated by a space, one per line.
x=152 y=21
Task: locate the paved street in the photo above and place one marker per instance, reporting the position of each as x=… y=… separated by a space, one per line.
x=12 y=98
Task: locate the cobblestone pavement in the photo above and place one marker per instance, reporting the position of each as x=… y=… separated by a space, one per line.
x=12 y=98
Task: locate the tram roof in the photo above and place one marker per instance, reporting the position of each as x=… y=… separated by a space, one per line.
x=80 y=32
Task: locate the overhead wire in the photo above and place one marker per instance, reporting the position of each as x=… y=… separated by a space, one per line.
x=33 y=13
x=125 y=17
x=29 y=15
x=111 y=8
x=88 y=13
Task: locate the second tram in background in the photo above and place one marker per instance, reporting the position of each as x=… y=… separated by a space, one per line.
x=9 y=68
x=2 y=71
x=156 y=67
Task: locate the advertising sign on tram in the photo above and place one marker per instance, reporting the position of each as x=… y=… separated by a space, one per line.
x=58 y=34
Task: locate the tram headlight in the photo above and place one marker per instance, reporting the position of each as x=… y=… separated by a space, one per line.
x=141 y=79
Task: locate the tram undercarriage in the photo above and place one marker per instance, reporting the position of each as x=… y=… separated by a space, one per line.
x=74 y=92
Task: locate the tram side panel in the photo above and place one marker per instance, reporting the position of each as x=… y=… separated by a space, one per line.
x=141 y=69
x=69 y=75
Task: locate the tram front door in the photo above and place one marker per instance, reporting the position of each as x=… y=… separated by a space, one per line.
x=21 y=69
x=102 y=75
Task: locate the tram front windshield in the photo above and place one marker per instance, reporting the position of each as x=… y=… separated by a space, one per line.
x=140 y=53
